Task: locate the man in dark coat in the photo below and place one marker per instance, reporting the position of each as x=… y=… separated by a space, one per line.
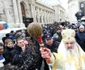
x=57 y=36
x=80 y=37
x=50 y=43
x=35 y=48
x=21 y=54
x=26 y=57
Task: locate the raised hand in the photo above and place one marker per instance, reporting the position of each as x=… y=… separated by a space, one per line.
x=45 y=52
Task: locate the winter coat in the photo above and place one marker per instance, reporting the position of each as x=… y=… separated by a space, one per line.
x=57 y=37
x=28 y=60
x=80 y=38
x=7 y=55
x=53 y=47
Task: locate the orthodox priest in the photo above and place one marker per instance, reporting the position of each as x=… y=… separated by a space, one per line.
x=69 y=57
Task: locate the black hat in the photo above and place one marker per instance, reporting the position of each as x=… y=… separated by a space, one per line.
x=48 y=36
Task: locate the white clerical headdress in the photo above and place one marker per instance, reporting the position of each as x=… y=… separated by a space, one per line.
x=68 y=34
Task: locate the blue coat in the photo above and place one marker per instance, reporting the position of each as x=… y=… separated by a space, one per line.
x=80 y=37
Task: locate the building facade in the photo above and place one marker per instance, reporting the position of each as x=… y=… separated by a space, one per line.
x=73 y=8
x=13 y=12
x=59 y=13
x=82 y=6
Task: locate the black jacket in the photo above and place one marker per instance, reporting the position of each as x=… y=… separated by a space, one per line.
x=53 y=47
x=28 y=60
x=7 y=55
x=80 y=38
x=18 y=55
x=35 y=48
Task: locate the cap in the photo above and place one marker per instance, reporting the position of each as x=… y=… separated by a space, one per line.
x=81 y=26
x=48 y=36
x=46 y=32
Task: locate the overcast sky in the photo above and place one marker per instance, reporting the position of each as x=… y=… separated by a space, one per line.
x=64 y=2
x=53 y=2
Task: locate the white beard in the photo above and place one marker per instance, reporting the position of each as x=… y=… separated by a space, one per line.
x=77 y=53
x=73 y=52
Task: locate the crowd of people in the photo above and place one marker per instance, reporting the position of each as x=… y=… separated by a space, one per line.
x=19 y=51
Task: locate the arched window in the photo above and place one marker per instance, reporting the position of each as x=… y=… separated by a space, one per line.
x=23 y=9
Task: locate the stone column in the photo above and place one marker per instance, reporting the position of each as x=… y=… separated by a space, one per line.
x=38 y=16
x=42 y=15
x=19 y=11
x=51 y=19
x=6 y=11
x=16 y=17
x=33 y=12
x=45 y=17
x=48 y=17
